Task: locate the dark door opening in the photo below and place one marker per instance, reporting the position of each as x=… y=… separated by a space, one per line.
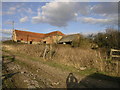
x=30 y=42
x=18 y=40
x=44 y=41
x=68 y=43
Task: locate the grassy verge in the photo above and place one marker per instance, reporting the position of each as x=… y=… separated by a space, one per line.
x=59 y=65
x=8 y=84
x=51 y=63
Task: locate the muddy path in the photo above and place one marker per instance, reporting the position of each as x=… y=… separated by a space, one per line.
x=33 y=74
x=22 y=72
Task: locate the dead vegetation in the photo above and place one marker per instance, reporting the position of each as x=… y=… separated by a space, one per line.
x=41 y=66
x=79 y=58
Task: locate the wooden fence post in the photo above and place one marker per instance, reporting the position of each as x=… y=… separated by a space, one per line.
x=117 y=62
x=50 y=51
x=114 y=50
x=118 y=68
x=44 y=54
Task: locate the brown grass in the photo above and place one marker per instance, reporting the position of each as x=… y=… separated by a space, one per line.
x=69 y=56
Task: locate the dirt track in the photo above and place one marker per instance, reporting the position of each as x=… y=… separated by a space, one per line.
x=22 y=72
x=34 y=74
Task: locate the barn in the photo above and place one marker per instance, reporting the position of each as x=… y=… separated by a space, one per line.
x=36 y=38
x=69 y=39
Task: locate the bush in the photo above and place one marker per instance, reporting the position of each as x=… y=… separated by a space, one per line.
x=109 y=39
x=81 y=42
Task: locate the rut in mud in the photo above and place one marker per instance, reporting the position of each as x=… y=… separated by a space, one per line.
x=23 y=71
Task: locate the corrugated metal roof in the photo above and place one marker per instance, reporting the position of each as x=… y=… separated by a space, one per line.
x=69 y=38
x=25 y=35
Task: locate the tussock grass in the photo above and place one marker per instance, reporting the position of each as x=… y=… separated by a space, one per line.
x=50 y=63
x=65 y=57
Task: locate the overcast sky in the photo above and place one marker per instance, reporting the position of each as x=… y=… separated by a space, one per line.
x=67 y=17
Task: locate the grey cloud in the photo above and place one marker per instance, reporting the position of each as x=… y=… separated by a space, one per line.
x=25 y=10
x=18 y=8
x=105 y=8
x=108 y=10
x=99 y=21
x=60 y=13
x=6 y=31
x=3 y=38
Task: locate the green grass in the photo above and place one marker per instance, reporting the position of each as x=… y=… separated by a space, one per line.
x=8 y=84
x=107 y=59
x=70 y=68
x=59 y=65
x=7 y=56
x=64 y=67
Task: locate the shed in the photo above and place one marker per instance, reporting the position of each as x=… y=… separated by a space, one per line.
x=68 y=39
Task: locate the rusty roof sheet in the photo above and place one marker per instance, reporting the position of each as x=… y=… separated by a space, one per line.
x=35 y=36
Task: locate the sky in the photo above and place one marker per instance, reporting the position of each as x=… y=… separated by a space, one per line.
x=67 y=17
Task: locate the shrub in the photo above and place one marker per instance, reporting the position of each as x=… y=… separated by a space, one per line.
x=109 y=39
x=81 y=42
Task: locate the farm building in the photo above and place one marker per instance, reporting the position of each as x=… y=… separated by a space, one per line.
x=36 y=38
x=69 y=39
